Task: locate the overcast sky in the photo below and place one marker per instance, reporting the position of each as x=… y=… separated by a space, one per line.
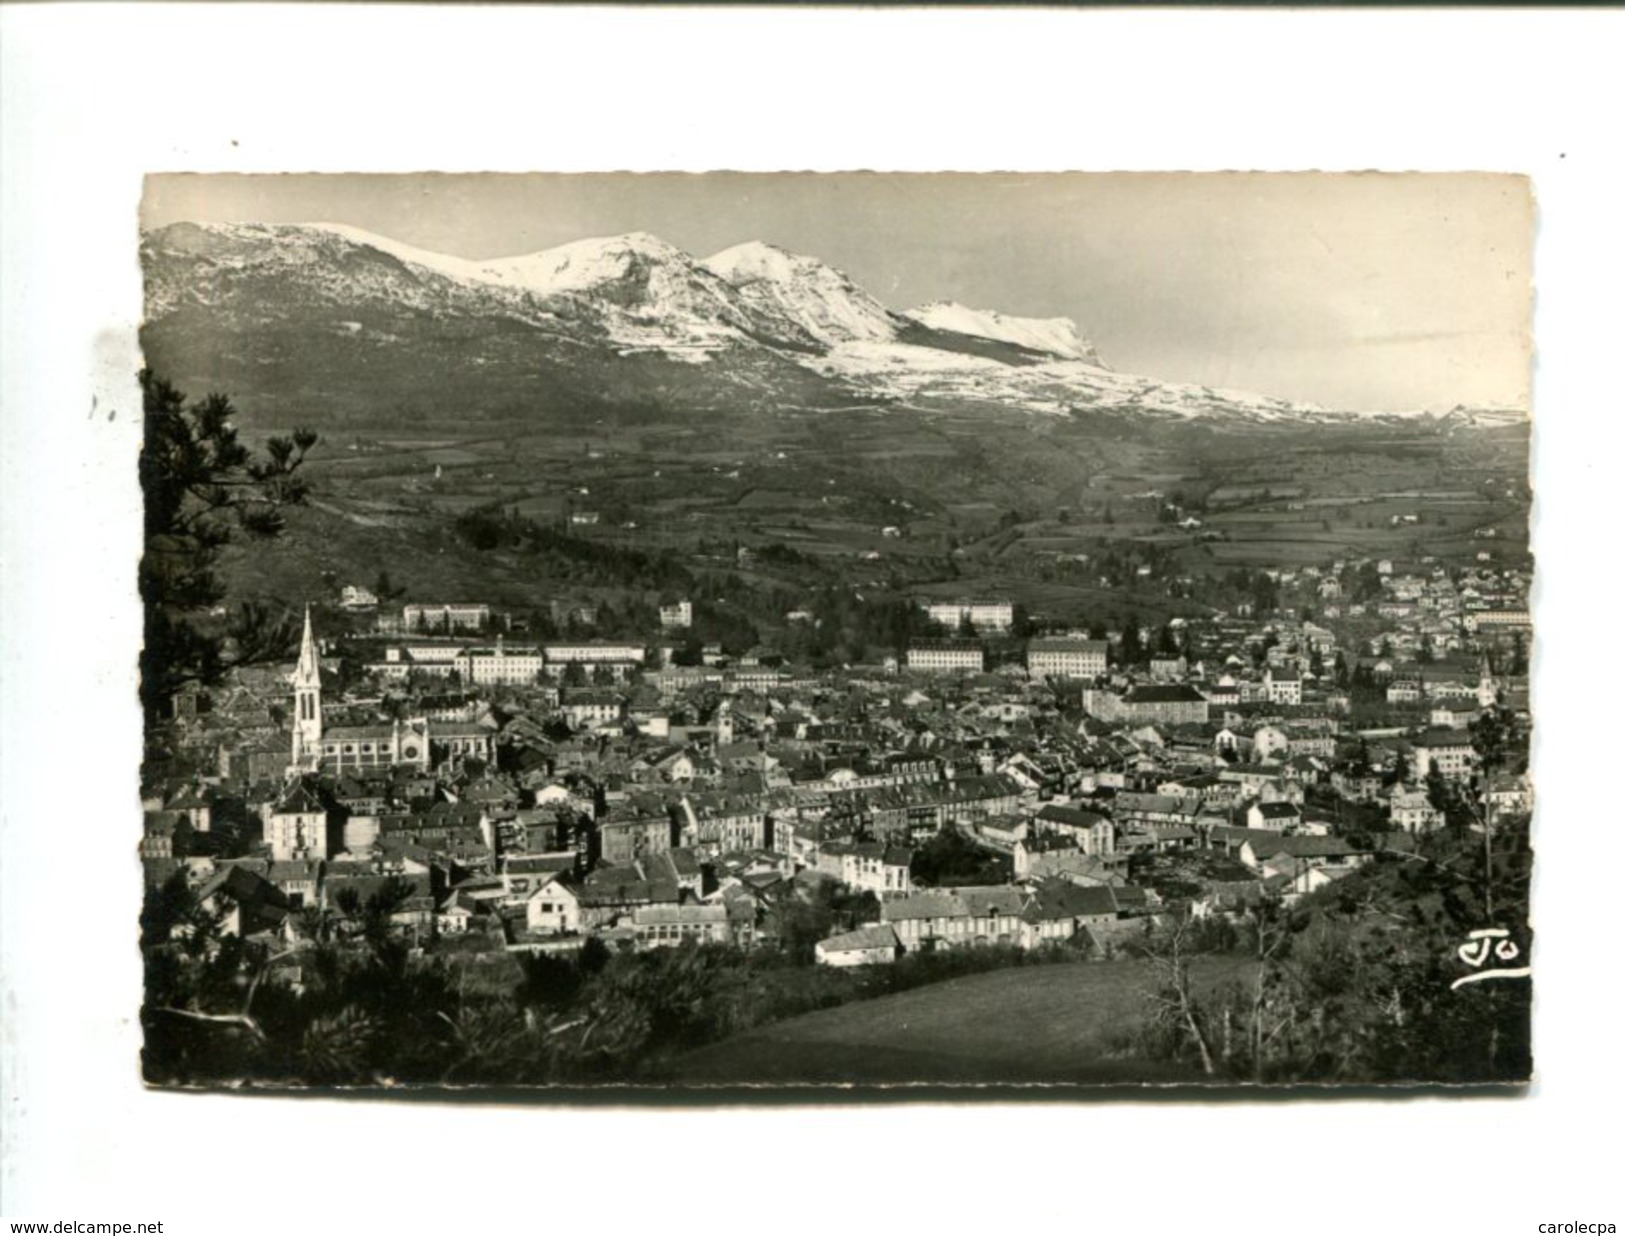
x=1354 y=291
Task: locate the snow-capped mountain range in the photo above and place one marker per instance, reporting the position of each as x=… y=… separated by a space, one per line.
x=752 y=318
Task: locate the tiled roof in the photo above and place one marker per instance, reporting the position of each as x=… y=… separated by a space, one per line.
x=540 y=864
x=956 y=903
x=1310 y=847
x=301 y=799
x=1076 y=817
x=352 y=733
x=645 y=916
x=1061 y=899
x=1174 y=694
x=862 y=939
x=1277 y=811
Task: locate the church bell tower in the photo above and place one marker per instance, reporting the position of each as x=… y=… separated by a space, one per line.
x=307 y=703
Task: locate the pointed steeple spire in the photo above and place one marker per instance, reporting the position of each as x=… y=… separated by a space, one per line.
x=307 y=702
x=309 y=667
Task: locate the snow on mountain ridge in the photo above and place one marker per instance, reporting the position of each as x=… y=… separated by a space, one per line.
x=648 y=293
x=584 y=264
x=441 y=263
x=573 y=267
x=804 y=292
x=757 y=259
x=637 y=291
x=639 y=294
x=1055 y=336
x=914 y=372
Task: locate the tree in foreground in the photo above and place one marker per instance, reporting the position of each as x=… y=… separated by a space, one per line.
x=201 y=487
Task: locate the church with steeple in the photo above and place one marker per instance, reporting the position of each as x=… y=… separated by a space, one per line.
x=319 y=747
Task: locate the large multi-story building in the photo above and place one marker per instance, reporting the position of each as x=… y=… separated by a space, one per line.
x=946 y=656
x=1411 y=811
x=1066 y=657
x=723 y=822
x=296 y=826
x=956 y=918
x=461 y=740
x=1497 y=619
x=587 y=706
x=404 y=660
x=1283 y=687
x=1170 y=667
x=1149 y=703
x=983 y=615
x=501 y=665
x=670 y=926
x=903 y=812
x=1091 y=831
x=619 y=657
x=1451 y=751
x=624 y=839
x=445 y=617
x=677 y=615
x=870 y=865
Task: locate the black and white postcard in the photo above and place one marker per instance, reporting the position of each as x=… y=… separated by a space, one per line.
x=720 y=630
x=684 y=617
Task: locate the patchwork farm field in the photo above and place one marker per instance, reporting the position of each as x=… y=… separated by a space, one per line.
x=945 y=504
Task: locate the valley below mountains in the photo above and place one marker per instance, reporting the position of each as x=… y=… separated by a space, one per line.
x=760 y=402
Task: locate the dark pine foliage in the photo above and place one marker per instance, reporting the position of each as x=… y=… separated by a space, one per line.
x=202 y=486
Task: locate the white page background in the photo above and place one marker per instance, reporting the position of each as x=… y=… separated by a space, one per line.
x=94 y=97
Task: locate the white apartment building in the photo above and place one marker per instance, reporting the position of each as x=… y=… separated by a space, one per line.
x=983 y=615
x=445 y=617
x=946 y=656
x=1283 y=688
x=437 y=660
x=591 y=653
x=1065 y=657
x=1499 y=619
x=502 y=665
x=1451 y=750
